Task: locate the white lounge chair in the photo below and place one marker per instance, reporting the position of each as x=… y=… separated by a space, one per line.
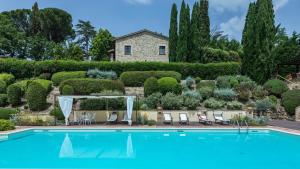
x=125 y=118
x=203 y=119
x=168 y=119
x=220 y=119
x=183 y=118
x=113 y=117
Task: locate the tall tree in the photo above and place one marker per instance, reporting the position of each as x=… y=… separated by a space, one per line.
x=195 y=48
x=85 y=32
x=248 y=41
x=12 y=41
x=204 y=23
x=182 y=46
x=260 y=60
x=21 y=18
x=101 y=45
x=173 y=34
x=35 y=20
x=56 y=24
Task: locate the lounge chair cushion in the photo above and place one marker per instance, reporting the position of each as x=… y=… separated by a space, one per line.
x=167 y=117
x=183 y=117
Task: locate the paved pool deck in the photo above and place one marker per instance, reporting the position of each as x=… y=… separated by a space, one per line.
x=285 y=124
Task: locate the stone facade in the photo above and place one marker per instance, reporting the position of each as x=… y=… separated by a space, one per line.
x=144 y=47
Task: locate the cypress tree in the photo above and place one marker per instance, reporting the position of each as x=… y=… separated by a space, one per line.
x=189 y=41
x=195 y=53
x=182 y=46
x=35 y=20
x=258 y=43
x=173 y=34
x=248 y=41
x=204 y=23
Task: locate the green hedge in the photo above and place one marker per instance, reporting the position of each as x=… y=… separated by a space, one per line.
x=5 y=113
x=86 y=86
x=100 y=104
x=218 y=55
x=67 y=90
x=28 y=69
x=291 y=100
x=57 y=78
x=36 y=96
x=137 y=78
x=7 y=78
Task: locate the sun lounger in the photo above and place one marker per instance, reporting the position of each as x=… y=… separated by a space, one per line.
x=113 y=117
x=168 y=118
x=203 y=119
x=220 y=119
x=183 y=118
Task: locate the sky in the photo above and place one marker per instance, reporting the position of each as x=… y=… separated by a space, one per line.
x=125 y=16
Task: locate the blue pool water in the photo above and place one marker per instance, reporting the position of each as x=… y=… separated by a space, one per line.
x=203 y=149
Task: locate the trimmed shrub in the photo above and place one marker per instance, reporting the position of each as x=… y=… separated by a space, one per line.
x=206 y=92
x=276 y=87
x=263 y=105
x=197 y=80
x=86 y=86
x=7 y=78
x=291 y=100
x=169 y=84
x=5 y=113
x=225 y=94
x=206 y=83
x=214 y=104
x=235 y=105
x=6 y=125
x=57 y=113
x=137 y=78
x=3 y=100
x=171 y=102
x=14 y=94
x=36 y=96
x=97 y=74
x=2 y=86
x=153 y=100
x=47 y=85
x=68 y=90
x=59 y=77
x=150 y=86
x=28 y=69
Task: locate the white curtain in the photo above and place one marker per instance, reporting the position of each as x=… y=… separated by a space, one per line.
x=66 y=104
x=130 y=100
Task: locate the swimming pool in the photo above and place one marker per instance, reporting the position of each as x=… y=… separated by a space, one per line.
x=150 y=149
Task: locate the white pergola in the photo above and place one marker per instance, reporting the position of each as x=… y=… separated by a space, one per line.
x=66 y=104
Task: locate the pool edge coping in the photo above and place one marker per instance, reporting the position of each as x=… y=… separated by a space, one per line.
x=272 y=128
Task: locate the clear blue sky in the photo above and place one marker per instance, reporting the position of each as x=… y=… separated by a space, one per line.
x=125 y=16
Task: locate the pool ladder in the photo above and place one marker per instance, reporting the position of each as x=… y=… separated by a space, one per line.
x=240 y=126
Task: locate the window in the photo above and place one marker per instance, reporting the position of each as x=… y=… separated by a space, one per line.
x=162 y=50
x=127 y=50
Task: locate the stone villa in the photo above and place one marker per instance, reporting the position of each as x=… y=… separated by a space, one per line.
x=143 y=45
